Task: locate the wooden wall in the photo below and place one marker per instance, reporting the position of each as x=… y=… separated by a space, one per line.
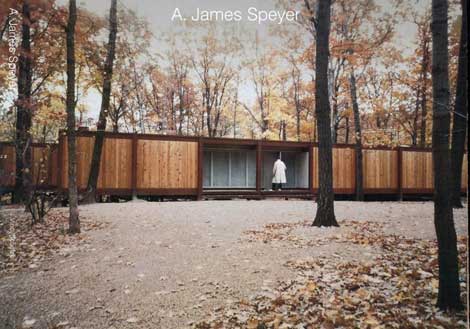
x=163 y=164
x=380 y=170
x=343 y=169
x=116 y=163
x=7 y=165
x=44 y=165
x=465 y=172
x=160 y=164
x=167 y=164
x=416 y=171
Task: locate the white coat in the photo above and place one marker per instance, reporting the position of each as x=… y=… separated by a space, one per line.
x=279 y=172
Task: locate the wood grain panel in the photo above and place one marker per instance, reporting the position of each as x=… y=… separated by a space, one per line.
x=116 y=164
x=380 y=169
x=417 y=170
x=53 y=171
x=41 y=157
x=41 y=169
x=7 y=165
x=465 y=172
x=115 y=168
x=343 y=168
x=166 y=164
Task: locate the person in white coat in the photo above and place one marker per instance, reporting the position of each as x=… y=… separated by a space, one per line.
x=279 y=174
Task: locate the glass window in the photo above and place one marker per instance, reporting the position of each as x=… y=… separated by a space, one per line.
x=220 y=168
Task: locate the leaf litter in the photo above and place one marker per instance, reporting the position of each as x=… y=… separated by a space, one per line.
x=396 y=288
x=25 y=246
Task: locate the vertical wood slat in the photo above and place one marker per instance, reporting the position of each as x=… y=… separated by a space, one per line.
x=417 y=171
x=134 y=166
x=344 y=165
x=412 y=167
x=400 y=173
x=380 y=171
x=464 y=180
x=7 y=165
x=164 y=164
x=200 y=168
x=259 y=159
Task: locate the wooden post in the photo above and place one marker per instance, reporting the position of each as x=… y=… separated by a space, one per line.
x=200 y=164
x=400 y=173
x=259 y=159
x=355 y=173
x=134 y=167
x=310 y=170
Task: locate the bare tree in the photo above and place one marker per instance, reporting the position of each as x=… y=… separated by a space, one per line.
x=105 y=101
x=325 y=215
x=74 y=221
x=358 y=138
x=449 y=287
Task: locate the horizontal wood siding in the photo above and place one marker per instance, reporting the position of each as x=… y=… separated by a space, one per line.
x=380 y=169
x=165 y=164
x=343 y=169
x=417 y=170
x=115 y=169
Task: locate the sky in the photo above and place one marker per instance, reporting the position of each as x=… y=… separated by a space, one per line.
x=159 y=13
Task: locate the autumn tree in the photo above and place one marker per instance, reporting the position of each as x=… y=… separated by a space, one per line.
x=459 y=127
x=24 y=111
x=357 y=45
x=295 y=88
x=424 y=53
x=212 y=57
x=449 y=286
x=105 y=101
x=74 y=221
x=325 y=215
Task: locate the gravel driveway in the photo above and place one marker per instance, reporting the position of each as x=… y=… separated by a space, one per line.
x=164 y=265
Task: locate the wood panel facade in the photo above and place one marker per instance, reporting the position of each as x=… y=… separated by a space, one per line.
x=380 y=170
x=343 y=170
x=163 y=164
x=43 y=169
x=417 y=171
x=134 y=164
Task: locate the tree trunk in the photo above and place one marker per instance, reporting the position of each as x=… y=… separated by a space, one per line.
x=358 y=138
x=449 y=289
x=335 y=117
x=459 y=127
x=297 y=124
x=101 y=126
x=284 y=130
x=346 y=138
x=325 y=215
x=74 y=221
x=23 y=178
x=424 y=111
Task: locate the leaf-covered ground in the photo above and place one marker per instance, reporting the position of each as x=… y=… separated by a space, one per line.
x=395 y=289
x=225 y=264
x=23 y=245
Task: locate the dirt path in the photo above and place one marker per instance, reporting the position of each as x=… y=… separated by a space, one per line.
x=164 y=265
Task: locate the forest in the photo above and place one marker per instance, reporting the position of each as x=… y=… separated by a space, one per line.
x=296 y=136
x=197 y=81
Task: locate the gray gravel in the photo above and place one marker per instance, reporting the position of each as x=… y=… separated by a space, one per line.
x=163 y=265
